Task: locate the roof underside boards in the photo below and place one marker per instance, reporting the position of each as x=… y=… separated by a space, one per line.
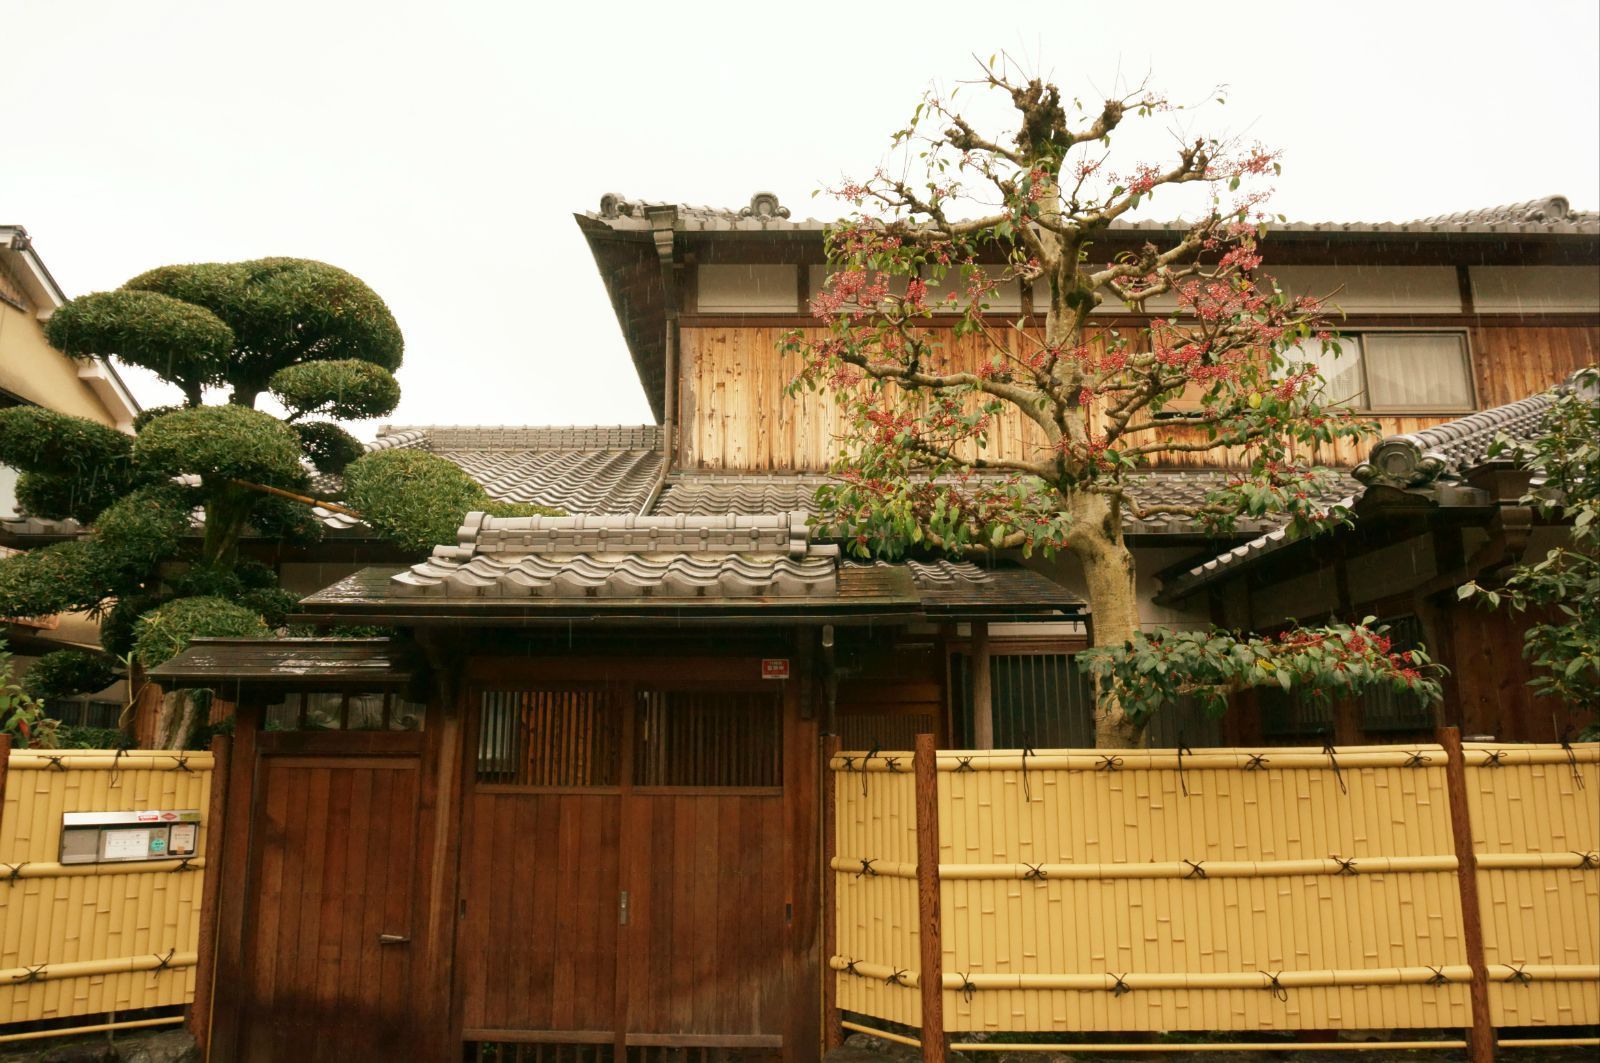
x=291 y=662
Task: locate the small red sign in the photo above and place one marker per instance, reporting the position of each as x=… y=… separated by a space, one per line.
x=169 y=815
x=775 y=668
x=148 y=817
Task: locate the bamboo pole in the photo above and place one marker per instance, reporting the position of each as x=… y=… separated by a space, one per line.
x=1536 y=861
x=1545 y=972
x=832 y=1034
x=929 y=922
x=881 y=972
x=1481 y=1034
x=1212 y=980
x=199 y=1023
x=1484 y=753
x=1208 y=868
x=1217 y=1046
x=73 y=1031
x=49 y=972
x=134 y=760
x=1266 y=759
x=137 y=867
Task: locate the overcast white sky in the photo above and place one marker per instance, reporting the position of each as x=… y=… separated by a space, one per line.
x=439 y=150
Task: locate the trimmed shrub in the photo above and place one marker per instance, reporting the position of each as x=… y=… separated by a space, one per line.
x=229 y=441
x=419 y=500
x=346 y=389
x=66 y=673
x=166 y=631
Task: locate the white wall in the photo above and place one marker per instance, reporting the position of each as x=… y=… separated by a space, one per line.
x=1533 y=289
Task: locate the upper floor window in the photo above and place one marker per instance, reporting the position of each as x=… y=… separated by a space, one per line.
x=1394 y=372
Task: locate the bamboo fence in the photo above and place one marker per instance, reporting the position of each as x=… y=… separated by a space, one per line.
x=91 y=939
x=1227 y=890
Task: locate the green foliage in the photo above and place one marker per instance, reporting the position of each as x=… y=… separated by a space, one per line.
x=165 y=631
x=283 y=311
x=56 y=497
x=129 y=539
x=38 y=440
x=1334 y=661
x=21 y=716
x=117 y=623
x=150 y=413
x=289 y=522
x=329 y=447
x=177 y=340
x=68 y=672
x=227 y=442
x=347 y=389
x=418 y=499
x=1565 y=462
x=69 y=736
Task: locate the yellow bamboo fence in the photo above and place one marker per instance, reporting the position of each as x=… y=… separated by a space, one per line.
x=1241 y=890
x=88 y=939
x=1535 y=817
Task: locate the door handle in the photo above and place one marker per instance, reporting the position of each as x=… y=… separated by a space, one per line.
x=393 y=939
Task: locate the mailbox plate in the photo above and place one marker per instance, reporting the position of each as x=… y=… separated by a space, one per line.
x=122 y=837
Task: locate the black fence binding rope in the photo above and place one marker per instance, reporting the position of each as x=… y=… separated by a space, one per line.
x=1437 y=978
x=29 y=975
x=968 y=990
x=181 y=764
x=1418 y=759
x=1109 y=762
x=1256 y=762
x=14 y=871
x=1587 y=861
x=184 y=864
x=1036 y=872
x=1497 y=759
x=1518 y=975
x=1183 y=782
x=1346 y=867
x=163 y=962
x=1275 y=986
x=867 y=869
x=895 y=977
x=1572 y=758
x=1118 y=987
x=1333 y=761
x=964 y=764
x=1197 y=869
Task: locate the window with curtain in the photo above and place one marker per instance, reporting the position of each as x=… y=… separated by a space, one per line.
x=1393 y=371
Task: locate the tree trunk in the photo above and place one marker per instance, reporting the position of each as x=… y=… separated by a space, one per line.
x=227 y=513
x=175 y=720
x=1114 y=606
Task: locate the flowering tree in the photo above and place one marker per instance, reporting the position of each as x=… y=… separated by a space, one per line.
x=913 y=271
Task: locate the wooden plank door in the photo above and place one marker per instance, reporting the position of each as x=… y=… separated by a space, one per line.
x=536 y=946
x=327 y=971
x=706 y=869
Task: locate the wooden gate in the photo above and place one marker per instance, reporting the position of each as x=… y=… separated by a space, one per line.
x=626 y=867
x=324 y=968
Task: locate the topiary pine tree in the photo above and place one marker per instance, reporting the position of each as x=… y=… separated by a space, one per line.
x=314 y=337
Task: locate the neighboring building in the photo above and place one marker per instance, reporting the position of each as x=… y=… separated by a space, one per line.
x=588 y=764
x=34 y=373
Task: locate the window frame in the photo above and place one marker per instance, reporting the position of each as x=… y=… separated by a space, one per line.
x=1469 y=364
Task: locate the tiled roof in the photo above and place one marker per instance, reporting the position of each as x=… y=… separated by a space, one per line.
x=581 y=469
x=1444 y=451
x=628 y=557
x=734 y=493
x=1430 y=462
x=1551 y=214
x=962 y=589
x=1548 y=210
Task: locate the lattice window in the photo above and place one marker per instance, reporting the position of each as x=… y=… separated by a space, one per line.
x=708 y=738
x=1383 y=709
x=549 y=738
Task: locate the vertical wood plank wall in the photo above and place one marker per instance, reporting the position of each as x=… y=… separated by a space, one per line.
x=736 y=415
x=1116 y=892
x=113 y=922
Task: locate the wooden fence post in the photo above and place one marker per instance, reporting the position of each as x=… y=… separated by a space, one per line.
x=929 y=937
x=982 y=688
x=1480 y=1036
x=206 y=944
x=832 y=1032
x=5 y=766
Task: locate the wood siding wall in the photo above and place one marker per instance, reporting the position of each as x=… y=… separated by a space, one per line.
x=736 y=416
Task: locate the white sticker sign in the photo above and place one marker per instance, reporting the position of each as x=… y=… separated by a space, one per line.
x=125 y=845
x=183 y=837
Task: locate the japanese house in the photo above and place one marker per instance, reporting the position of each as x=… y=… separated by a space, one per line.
x=574 y=800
